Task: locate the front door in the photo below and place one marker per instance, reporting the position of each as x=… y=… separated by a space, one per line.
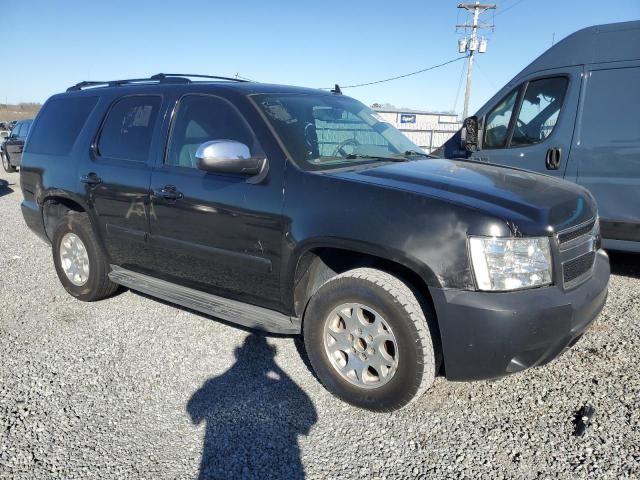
x=115 y=176
x=532 y=126
x=216 y=232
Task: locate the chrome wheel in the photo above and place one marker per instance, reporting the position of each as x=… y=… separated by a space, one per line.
x=74 y=259
x=360 y=345
x=5 y=162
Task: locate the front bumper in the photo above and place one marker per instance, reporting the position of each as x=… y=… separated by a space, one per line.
x=488 y=335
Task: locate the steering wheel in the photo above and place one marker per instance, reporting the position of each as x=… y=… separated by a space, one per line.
x=519 y=130
x=340 y=148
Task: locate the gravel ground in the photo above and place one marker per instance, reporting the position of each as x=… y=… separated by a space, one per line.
x=134 y=388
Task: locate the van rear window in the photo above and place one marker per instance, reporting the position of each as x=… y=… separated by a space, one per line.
x=59 y=124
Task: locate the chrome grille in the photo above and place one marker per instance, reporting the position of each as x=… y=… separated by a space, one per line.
x=577 y=251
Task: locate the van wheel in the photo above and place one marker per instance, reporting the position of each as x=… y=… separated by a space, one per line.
x=81 y=265
x=6 y=164
x=368 y=340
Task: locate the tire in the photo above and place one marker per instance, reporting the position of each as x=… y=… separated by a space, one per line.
x=73 y=227
x=6 y=164
x=379 y=299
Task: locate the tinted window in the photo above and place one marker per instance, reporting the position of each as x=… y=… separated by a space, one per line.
x=16 y=130
x=26 y=126
x=59 y=124
x=127 y=130
x=201 y=119
x=497 y=124
x=539 y=111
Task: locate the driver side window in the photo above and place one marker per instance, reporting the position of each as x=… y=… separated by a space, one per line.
x=200 y=119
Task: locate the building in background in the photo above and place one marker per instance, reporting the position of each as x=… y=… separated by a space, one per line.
x=428 y=130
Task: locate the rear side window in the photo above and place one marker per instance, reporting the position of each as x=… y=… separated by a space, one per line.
x=126 y=132
x=59 y=124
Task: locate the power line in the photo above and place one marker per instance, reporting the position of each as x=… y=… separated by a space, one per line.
x=455 y=103
x=401 y=76
x=508 y=8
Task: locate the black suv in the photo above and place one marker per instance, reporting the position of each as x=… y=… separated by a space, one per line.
x=294 y=210
x=12 y=147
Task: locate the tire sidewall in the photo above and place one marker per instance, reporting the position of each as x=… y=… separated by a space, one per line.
x=411 y=365
x=6 y=164
x=78 y=224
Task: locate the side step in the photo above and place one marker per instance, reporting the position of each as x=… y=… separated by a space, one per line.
x=233 y=311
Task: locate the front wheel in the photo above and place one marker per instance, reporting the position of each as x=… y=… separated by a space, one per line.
x=6 y=164
x=368 y=340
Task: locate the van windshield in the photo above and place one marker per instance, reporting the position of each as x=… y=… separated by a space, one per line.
x=331 y=131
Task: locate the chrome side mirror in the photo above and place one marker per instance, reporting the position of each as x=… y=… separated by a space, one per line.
x=228 y=156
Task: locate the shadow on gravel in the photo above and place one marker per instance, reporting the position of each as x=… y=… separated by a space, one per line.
x=254 y=414
x=624 y=263
x=5 y=189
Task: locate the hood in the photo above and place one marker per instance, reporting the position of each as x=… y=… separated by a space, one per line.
x=531 y=202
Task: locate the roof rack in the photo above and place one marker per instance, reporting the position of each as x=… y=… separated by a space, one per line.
x=157 y=78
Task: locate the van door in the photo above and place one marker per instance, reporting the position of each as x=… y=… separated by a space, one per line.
x=531 y=127
x=607 y=149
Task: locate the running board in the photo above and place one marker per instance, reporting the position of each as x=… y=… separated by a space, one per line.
x=232 y=311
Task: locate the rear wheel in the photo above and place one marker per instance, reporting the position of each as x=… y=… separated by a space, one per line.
x=368 y=340
x=6 y=164
x=81 y=265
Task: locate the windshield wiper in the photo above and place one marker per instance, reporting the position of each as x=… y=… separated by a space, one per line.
x=353 y=156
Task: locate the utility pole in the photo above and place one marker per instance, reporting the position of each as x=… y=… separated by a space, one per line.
x=472 y=44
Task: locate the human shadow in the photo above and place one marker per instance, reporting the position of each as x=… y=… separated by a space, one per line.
x=254 y=414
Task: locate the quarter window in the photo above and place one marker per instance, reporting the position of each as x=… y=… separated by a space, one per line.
x=497 y=124
x=127 y=131
x=59 y=124
x=539 y=111
x=201 y=119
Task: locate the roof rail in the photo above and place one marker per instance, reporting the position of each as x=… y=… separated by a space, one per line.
x=162 y=76
x=157 y=78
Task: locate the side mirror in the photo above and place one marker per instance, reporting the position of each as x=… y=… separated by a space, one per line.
x=228 y=156
x=470 y=134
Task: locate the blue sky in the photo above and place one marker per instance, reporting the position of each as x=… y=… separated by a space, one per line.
x=50 y=45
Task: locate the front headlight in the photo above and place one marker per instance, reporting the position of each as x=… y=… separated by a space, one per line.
x=510 y=263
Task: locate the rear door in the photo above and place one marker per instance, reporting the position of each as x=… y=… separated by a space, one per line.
x=607 y=147
x=532 y=126
x=115 y=176
x=219 y=233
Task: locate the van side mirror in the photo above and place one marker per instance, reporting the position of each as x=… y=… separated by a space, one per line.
x=228 y=156
x=470 y=134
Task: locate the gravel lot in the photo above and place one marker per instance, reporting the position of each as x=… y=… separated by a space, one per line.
x=134 y=388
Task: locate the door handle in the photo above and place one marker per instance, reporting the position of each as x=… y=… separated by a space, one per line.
x=552 y=159
x=90 y=179
x=168 y=192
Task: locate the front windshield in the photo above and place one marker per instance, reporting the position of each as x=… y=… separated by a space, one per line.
x=331 y=131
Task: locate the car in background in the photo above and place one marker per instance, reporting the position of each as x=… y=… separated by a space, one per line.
x=571 y=114
x=11 y=148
